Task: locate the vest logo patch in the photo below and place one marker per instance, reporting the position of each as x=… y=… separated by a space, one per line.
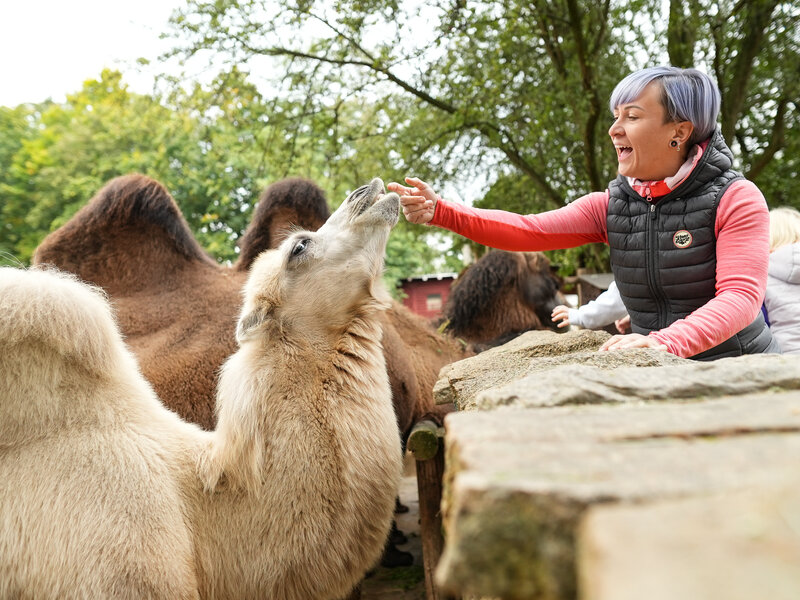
x=682 y=239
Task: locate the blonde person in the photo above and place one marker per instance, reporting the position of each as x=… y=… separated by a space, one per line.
x=689 y=236
x=782 y=301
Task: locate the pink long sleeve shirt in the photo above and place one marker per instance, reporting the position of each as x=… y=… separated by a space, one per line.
x=741 y=228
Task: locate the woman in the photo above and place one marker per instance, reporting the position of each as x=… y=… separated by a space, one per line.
x=689 y=236
x=782 y=301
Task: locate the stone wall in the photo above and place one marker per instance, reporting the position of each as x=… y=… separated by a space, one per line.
x=572 y=473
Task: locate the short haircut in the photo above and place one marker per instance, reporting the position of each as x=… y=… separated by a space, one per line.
x=687 y=95
x=784 y=227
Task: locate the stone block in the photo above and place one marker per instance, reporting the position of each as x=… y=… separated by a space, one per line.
x=737 y=546
x=520 y=482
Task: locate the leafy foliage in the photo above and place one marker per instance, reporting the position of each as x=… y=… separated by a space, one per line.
x=505 y=102
x=507 y=91
x=103 y=131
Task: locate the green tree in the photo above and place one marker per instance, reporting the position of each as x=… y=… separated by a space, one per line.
x=515 y=92
x=213 y=166
x=16 y=128
x=74 y=148
x=214 y=147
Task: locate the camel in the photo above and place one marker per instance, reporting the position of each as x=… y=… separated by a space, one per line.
x=177 y=306
x=107 y=493
x=500 y=296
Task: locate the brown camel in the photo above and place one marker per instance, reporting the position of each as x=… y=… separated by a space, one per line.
x=177 y=306
x=501 y=296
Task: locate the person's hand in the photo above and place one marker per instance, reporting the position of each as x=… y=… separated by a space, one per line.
x=623 y=325
x=632 y=340
x=560 y=313
x=418 y=202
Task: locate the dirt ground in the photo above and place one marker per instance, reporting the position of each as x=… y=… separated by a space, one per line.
x=402 y=583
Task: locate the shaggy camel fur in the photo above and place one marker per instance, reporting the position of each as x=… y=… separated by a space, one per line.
x=500 y=296
x=106 y=493
x=176 y=306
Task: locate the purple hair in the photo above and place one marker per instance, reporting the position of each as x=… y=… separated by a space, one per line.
x=687 y=95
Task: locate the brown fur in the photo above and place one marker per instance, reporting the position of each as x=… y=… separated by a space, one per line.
x=502 y=295
x=177 y=307
x=290 y=202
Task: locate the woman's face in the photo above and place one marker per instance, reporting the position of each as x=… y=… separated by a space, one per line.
x=642 y=138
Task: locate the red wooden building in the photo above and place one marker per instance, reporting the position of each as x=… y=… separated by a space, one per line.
x=426 y=294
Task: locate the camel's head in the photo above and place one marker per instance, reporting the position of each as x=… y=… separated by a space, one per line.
x=322 y=280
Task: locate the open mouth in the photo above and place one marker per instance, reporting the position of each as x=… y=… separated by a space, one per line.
x=623 y=152
x=372 y=199
x=365 y=196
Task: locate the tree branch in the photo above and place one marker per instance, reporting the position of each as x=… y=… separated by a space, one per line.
x=495 y=133
x=755 y=24
x=776 y=141
x=590 y=88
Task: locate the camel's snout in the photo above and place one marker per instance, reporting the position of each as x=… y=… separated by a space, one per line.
x=374 y=199
x=389 y=207
x=365 y=196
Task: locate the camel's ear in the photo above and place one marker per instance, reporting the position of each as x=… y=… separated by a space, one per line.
x=250 y=323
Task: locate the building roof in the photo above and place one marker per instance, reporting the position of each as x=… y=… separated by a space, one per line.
x=428 y=276
x=599 y=280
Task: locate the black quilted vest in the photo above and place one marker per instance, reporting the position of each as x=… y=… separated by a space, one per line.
x=663 y=254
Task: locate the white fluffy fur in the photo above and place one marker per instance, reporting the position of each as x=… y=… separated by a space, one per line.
x=105 y=493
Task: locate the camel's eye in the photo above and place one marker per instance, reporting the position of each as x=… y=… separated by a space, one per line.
x=300 y=246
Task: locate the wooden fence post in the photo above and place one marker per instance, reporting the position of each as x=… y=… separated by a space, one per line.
x=426 y=443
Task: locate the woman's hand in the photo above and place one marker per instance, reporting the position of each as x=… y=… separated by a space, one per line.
x=418 y=202
x=560 y=313
x=632 y=340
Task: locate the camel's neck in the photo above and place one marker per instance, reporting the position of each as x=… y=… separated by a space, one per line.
x=284 y=396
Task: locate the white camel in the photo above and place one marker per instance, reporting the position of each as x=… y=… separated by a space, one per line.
x=104 y=493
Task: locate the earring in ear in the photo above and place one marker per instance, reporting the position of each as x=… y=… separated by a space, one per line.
x=674 y=143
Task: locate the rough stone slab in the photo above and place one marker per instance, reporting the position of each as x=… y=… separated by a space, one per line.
x=593 y=382
x=534 y=352
x=737 y=546
x=519 y=481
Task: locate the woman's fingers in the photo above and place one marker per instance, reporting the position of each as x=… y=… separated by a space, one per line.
x=417 y=209
x=419 y=217
x=418 y=186
x=615 y=342
x=418 y=183
x=414 y=201
x=418 y=202
x=411 y=209
x=399 y=189
x=631 y=340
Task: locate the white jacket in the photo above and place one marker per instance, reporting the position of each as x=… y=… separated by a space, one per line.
x=783 y=297
x=606 y=309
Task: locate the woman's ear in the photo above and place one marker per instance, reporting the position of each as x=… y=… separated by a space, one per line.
x=683 y=131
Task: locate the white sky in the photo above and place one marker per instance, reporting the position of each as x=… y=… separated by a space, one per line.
x=48 y=48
